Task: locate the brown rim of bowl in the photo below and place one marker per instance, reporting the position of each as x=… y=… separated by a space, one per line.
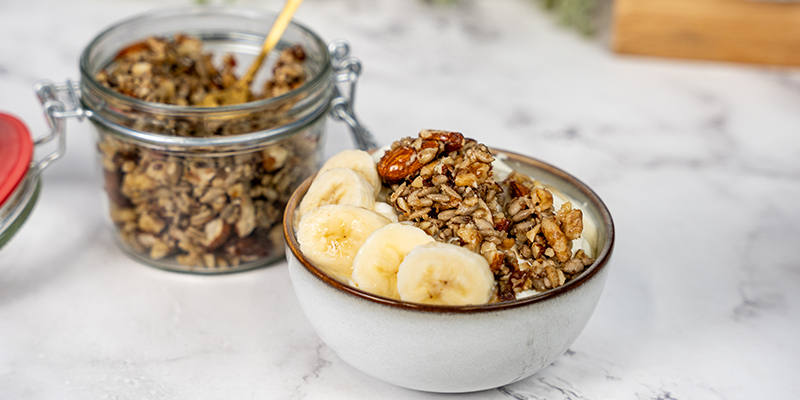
x=599 y=263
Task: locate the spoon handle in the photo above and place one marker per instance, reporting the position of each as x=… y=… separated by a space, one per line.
x=275 y=33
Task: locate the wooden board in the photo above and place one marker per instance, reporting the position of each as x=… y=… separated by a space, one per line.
x=730 y=30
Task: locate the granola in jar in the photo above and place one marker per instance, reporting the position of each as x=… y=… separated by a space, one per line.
x=206 y=209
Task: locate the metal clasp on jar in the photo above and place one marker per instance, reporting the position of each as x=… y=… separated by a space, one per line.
x=347 y=69
x=56 y=113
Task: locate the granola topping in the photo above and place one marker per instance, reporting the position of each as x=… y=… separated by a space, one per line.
x=444 y=184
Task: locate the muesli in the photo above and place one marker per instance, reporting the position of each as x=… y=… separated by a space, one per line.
x=444 y=184
x=204 y=210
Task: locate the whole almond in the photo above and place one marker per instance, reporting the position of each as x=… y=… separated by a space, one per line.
x=453 y=141
x=398 y=164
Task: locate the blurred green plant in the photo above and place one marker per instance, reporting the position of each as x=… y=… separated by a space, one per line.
x=577 y=14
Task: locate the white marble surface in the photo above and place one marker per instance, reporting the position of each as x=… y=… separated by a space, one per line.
x=698 y=162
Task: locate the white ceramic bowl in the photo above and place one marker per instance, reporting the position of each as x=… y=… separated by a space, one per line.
x=455 y=348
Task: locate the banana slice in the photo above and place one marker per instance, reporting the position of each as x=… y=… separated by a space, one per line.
x=440 y=273
x=376 y=262
x=330 y=236
x=338 y=186
x=359 y=161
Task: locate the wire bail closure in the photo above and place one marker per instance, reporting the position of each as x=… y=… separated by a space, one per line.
x=347 y=69
x=56 y=113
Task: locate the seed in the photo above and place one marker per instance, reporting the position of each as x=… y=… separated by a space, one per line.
x=446 y=215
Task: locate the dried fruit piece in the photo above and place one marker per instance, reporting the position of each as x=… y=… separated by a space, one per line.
x=113 y=182
x=249 y=248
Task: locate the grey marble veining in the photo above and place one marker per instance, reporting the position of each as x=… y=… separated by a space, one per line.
x=698 y=162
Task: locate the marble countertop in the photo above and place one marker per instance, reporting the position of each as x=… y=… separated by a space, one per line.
x=698 y=162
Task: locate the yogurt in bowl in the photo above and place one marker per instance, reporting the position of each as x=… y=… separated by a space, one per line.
x=461 y=348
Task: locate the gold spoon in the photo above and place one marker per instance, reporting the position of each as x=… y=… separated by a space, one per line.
x=239 y=92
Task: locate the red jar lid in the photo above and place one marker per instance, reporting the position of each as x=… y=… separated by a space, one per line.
x=16 y=150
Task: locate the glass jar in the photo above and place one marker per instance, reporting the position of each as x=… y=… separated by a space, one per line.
x=203 y=189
